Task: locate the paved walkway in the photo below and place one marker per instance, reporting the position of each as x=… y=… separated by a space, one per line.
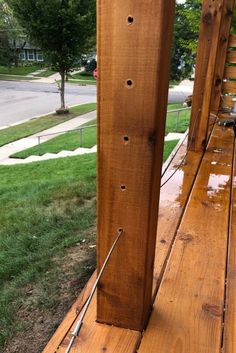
x=27 y=142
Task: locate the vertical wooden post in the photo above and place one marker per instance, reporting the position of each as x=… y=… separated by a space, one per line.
x=215 y=14
x=221 y=55
x=134 y=50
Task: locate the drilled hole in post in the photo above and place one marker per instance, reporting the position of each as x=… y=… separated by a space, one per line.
x=126 y=138
x=130 y=20
x=129 y=83
x=123 y=187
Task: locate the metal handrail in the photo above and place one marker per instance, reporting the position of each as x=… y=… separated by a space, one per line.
x=64 y=131
x=81 y=128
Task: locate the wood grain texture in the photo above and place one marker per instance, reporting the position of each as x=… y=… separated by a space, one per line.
x=132 y=99
x=229 y=87
x=232 y=41
x=173 y=199
x=214 y=33
x=228 y=7
x=209 y=28
x=188 y=311
x=98 y=338
x=230 y=317
x=230 y=72
x=226 y=101
x=231 y=57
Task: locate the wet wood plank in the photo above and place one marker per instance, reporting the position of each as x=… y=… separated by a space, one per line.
x=230 y=318
x=175 y=193
x=132 y=100
x=188 y=310
x=173 y=199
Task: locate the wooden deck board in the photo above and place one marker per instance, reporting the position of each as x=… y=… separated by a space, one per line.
x=188 y=310
x=230 y=318
x=173 y=199
x=126 y=340
x=187 y=314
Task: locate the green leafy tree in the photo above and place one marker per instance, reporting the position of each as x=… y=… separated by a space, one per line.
x=12 y=38
x=63 y=29
x=186 y=33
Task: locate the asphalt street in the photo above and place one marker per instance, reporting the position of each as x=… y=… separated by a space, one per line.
x=23 y=100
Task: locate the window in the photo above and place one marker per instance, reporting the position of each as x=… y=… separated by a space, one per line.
x=31 y=56
x=40 y=56
x=22 y=55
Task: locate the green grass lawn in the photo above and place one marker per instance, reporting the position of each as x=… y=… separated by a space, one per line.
x=70 y=141
x=82 y=79
x=39 y=124
x=46 y=208
x=21 y=70
x=16 y=78
x=47 y=213
x=184 y=118
x=79 y=76
x=46 y=73
x=168 y=148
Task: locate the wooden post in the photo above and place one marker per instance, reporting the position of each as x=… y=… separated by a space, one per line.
x=221 y=55
x=134 y=50
x=214 y=23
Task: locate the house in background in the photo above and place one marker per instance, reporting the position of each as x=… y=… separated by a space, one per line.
x=30 y=53
x=25 y=51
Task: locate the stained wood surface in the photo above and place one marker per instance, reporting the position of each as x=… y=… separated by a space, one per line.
x=231 y=57
x=132 y=101
x=97 y=338
x=226 y=101
x=230 y=72
x=173 y=199
x=229 y=87
x=188 y=311
x=220 y=59
x=230 y=317
x=232 y=41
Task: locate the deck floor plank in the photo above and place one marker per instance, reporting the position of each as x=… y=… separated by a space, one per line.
x=173 y=198
x=97 y=338
x=115 y=339
x=188 y=311
x=230 y=317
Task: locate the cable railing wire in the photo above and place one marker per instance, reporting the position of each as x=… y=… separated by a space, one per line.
x=88 y=301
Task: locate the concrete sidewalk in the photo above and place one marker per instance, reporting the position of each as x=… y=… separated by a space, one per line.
x=27 y=142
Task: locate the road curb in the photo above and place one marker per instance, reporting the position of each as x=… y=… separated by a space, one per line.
x=35 y=117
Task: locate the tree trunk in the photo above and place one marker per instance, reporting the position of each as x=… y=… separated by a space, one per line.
x=62 y=90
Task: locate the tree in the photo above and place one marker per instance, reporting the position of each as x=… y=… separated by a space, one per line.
x=186 y=32
x=12 y=38
x=61 y=28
